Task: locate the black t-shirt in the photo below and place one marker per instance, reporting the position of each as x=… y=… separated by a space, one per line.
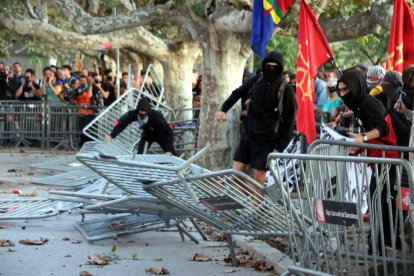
x=14 y=84
x=112 y=97
x=28 y=94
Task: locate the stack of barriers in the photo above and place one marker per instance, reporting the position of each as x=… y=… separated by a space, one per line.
x=141 y=211
x=336 y=224
x=228 y=200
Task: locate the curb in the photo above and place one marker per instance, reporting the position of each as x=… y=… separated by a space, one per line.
x=261 y=250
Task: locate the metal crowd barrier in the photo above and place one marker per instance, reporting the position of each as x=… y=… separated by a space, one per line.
x=327 y=230
x=36 y=208
x=228 y=200
x=22 y=122
x=128 y=175
x=41 y=123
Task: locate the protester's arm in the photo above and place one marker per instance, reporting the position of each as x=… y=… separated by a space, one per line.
x=236 y=95
x=287 y=121
x=105 y=94
x=19 y=91
x=123 y=122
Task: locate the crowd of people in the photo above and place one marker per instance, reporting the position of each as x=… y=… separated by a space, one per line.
x=89 y=90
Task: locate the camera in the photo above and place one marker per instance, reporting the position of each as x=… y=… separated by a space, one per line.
x=109 y=78
x=69 y=94
x=97 y=81
x=26 y=79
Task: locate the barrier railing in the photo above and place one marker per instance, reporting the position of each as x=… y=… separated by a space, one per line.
x=38 y=123
x=351 y=212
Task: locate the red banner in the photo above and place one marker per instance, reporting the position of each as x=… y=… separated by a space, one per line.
x=313 y=51
x=401 y=42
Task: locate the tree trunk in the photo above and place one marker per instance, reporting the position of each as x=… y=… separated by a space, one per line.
x=178 y=72
x=222 y=73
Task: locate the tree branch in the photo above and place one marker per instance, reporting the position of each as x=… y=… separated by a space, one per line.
x=41 y=10
x=87 y=24
x=30 y=10
x=358 y=25
x=136 y=38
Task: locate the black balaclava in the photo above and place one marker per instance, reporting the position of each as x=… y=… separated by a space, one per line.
x=391 y=87
x=272 y=74
x=354 y=80
x=145 y=105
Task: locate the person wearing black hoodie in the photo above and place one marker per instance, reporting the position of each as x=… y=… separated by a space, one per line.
x=152 y=122
x=376 y=128
x=269 y=124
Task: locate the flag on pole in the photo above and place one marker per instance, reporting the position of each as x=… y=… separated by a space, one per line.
x=401 y=42
x=266 y=15
x=78 y=62
x=313 y=51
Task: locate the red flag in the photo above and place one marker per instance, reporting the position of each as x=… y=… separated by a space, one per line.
x=313 y=51
x=401 y=43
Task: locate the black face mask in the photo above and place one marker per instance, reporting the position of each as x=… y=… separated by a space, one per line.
x=270 y=72
x=348 y=100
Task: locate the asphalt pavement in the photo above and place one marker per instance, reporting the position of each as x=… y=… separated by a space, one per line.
x=66 y=252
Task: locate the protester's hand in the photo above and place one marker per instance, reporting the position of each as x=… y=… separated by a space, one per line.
x=220 y=116
x=168 y=153
x=359 y=138
x=108 y=138
x=400 y=106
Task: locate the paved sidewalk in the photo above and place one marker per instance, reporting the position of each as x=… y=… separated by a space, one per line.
x=67 y=252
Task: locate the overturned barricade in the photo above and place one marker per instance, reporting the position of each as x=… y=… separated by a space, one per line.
x=126 y=173
x=336 y=224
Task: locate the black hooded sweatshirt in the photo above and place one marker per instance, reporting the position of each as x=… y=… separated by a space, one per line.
x=156 y=130
x=368 y=109
x=262 y=118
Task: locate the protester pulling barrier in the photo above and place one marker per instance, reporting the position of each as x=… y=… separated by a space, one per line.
x=327 y=232
x=103 y=124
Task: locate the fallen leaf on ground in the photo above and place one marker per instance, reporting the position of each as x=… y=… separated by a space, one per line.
x=230 y=271
x=157 y=271
x=97 y=261
x=34 y=242
x=263 y=266
x=5 y=243
x=65 y=239
x=201 y=258
x=24 y=183
x=85 y=273
x=67 y=256
x=76 y=242
x=30 y=173
x=4 y=226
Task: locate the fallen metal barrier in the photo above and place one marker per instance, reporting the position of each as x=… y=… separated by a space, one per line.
x=327 y=229
x=34 y=208
x=115 y=226
x=228 y=200
x=71 y=179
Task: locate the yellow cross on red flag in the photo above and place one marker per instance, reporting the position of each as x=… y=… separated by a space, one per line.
x=401 y=42
x=313 y=51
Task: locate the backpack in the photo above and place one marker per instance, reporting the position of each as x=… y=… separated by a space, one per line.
x=402 y=127
x=280 y=95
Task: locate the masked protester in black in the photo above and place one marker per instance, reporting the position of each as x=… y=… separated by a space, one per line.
x=376 y=129
x=152 y=122
x=266 y=129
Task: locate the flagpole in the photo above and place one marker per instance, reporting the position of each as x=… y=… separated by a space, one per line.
x=326 y=43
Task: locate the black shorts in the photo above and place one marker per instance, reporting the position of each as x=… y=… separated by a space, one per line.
x=250 y=153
